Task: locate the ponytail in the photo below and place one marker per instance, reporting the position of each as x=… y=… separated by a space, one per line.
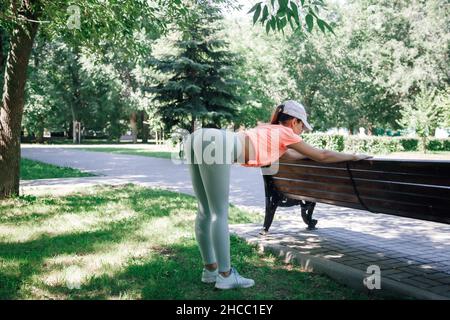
x=275 y=119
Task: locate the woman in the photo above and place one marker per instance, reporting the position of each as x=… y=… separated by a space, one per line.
x=210 y=153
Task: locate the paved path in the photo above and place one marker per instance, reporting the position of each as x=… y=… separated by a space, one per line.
x=413 y=255
x=246 y=187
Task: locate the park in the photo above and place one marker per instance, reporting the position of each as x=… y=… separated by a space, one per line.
x=98 y=202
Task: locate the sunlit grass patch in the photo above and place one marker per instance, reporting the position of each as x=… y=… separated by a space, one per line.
x=133 y=152
x=130 y=242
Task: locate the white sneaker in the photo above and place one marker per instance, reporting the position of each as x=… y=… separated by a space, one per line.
x=234 y=280
x=209 y=276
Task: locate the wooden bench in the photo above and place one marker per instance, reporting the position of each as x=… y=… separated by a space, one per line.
x=418 y=189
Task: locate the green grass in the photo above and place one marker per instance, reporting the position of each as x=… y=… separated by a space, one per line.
x=131 y=242
x=134 y=152
x=30 y=170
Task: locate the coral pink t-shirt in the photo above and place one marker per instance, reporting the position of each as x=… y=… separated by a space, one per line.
x=270 y=142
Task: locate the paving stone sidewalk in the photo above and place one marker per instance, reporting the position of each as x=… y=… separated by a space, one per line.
x=413 y=258
x=413 y=255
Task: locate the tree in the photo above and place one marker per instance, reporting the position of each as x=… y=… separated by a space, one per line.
x=114 y=20
x=66 y=88
x=102 y=20
x=201 y=86
x=425 y=115
x=264 y=77
x=381 y=54
x=404 y=48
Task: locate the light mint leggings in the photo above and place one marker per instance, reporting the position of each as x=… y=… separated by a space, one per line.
x=209 y=155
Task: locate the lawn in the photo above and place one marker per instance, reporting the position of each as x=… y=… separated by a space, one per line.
x=30 y=170
x=130 y=242
x=129 y=151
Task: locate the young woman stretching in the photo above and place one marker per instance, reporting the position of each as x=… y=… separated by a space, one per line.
x=210 y=153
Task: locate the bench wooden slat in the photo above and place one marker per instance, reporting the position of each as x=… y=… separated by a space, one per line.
x=426 y=167
x=300 y=189
x=434 y=178
x=435 y=192
x=335 y=202
x=443 y=218
x=382 y=199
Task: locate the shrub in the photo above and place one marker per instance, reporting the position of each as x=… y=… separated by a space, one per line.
x=438 y=144
x=373 y=144
x=409 y=144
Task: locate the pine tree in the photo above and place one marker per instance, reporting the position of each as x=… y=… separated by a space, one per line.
x=201 y=86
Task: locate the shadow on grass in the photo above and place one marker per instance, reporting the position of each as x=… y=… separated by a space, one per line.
x=30 y=255
x=149 y=202
x=173 y=272
x=163 y=272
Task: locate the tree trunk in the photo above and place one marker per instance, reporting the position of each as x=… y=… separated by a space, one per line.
x=133 y=124
x=144 y=116
x=76 y=132
x=192 y=124
x=40 y=136
x=11 y=110
x=2 y=57
x=77 y=103
x=2 y=61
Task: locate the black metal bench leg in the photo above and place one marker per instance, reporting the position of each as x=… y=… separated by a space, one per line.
x=307 y=212
x=271 y=207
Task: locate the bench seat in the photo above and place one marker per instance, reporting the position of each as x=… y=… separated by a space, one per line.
x=418 y=189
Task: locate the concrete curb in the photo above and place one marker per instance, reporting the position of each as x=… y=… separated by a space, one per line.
x=344 y=274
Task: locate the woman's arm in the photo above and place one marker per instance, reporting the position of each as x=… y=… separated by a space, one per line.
x=291 y=154
x=326 y=156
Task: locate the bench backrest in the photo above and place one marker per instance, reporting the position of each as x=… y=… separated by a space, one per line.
x=415 y=189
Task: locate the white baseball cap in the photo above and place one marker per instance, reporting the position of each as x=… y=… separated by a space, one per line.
x=297 y=110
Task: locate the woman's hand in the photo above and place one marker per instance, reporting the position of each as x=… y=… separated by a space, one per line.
x=358 y=157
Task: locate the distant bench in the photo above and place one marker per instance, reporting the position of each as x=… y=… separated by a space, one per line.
x=414 y=189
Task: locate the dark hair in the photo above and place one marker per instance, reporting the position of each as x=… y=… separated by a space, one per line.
x=278 y=117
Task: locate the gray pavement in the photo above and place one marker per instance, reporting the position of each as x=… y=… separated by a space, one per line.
x=413 y=255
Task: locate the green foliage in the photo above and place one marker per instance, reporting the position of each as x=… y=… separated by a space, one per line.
x=113 y=20
x=326 y=141
x=438 y=145
x=372 y=144
x=66 y=85
x=201 y=84
x=383 y=55
x=265 y=80
x=409 y=144
x=276 y=14
x=442 y=101
x=424 y=114
x=376 y=71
